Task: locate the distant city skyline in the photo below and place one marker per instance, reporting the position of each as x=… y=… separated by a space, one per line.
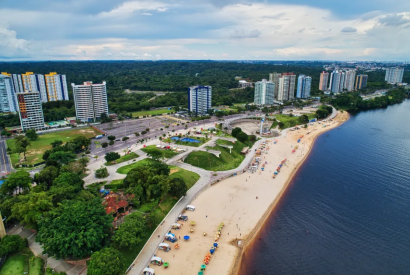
x=228 y=30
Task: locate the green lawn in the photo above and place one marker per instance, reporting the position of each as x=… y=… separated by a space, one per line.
x=125 y=169
x=291 y=121
x=127 y=157
x=166 y=153
x=188 y=177
x=38 y=147
x=226 y=160
x=151 y=112
x=19 y=263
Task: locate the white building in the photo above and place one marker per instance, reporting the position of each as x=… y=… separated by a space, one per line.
x=56 y=85
x=394 y=75
x=304 y=86
x=264 y=92
x=274 y=78
x=335 y=80
x=7 y=96
x=349 y=80
x=34 y=83
x=30 y=111
x=199 y=99
x=244 y=84
x=286 y=89
x=324 y=79
x=90 y=101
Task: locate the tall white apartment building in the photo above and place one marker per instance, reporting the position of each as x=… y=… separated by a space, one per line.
x=324 y=79
x=35 y=83
x=394 y=75
x=264 y=92
x=304 y=86
x=199 y=99
x=90 y=101
x=335 y=80
x=7 y=96
x=349 y=80
x=286 y=90
x=342 y=81
x=56 y=85
x=274 y=78
x=30 y=111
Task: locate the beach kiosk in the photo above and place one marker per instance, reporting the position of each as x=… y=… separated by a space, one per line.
x=164 y=246
x=157 y=261
x=171 y=237
x=190 y=207
x=176 y=226
x=148 y=271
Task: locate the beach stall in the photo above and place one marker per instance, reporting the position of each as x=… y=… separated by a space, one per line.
x=176 y=226
x=148 y=271
x=190 y=207
x=182 y=218
x=157 y=261
x=164 y=246
x=170 y=237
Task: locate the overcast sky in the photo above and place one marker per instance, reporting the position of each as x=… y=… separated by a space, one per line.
x=205 y=29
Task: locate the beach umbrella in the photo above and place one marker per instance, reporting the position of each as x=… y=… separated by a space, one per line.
x=200 y=273
x=193 y=223
x=166 y=264
x=203 y=267
x=216 y=244
x=212 y=251
x=186 y=237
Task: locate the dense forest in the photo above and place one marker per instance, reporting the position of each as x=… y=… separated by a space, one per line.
x=171 y=76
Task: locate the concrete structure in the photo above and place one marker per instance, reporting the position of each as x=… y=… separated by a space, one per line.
x=7 y=95
x=304 y=85
x=90 y=101
x=335 y=79
x=350 y=80
x=199 y=99
x=35 y=83
x=264 y=92
x=342 y=81
x=274 y=78
x=286 y=90
x=361 y=82
x=324 y=79
x=56 y=85
x=244 y=84
x=30 y=111
x=394 y=75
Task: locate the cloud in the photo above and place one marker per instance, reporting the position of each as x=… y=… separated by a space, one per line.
x=349 y=29
x=243 y=34
x=11 y=46
x=146 y=13
x=393 y=20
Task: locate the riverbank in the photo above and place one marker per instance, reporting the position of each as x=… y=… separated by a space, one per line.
x=242 y=203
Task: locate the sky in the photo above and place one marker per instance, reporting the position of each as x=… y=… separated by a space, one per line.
x=205 y=30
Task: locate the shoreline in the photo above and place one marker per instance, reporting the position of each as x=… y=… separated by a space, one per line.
x=251 y=237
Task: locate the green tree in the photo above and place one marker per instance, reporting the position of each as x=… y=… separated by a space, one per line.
x=75 y=229
x=80 y=143
x=111 y=137
x=31 y=134
x=111 y=156
x=17 y=180
x=56 y=143
x=236 y=131
x=107 y=261
x=303 y=119
x=178 y=187
x=101 y=173
x=242 y=137
x=125 y=138
x=153 y=153
x=111 y=143
x=32 y=208
x=4 y=132
x=61 y=157
x=104 y=145
x=48 y=175
x=11 y=243
x=21 y=145
x=131 y=232
x=70 y=179
x=322 y=113
x=281 y=125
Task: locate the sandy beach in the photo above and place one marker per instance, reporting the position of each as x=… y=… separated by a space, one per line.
x=242 y=203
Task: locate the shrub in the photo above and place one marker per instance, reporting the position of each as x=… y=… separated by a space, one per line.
x=11 y=243
x=88 y=151
x=101 y=173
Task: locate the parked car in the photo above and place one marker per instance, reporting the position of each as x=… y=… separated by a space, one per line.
x=182 y=218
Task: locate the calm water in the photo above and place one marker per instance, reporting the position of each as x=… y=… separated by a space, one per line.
x=353 y=196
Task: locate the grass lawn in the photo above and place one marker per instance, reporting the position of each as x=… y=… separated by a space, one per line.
x=187 y=176
x=226 y=161
x=290 y=121
x=125 y=169
x=151 y=112
x=166 y=153
x=19 y=263
x=127 y=157
x=38 y=147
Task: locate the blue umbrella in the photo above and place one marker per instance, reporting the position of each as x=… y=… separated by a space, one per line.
x=216 y=244
x=186 y=237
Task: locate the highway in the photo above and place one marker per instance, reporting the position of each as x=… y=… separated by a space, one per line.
x=5 y=165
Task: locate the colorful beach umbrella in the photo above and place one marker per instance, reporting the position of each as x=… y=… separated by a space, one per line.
x=186 y=237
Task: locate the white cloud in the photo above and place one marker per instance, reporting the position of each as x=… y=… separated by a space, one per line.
x=11 y=46
x=349 y=29
x=245 y=34
x=393 y=20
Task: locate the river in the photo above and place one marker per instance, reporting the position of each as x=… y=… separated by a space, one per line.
x=347 y=210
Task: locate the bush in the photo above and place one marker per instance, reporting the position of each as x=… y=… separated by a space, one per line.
x=107 y=261
x=242 y=137
x=11 y=243
x=88 y=151
x=236 y=131
x=101 y=173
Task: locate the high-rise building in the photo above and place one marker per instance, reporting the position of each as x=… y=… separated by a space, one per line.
x=304 y=85
x=342 y=80
x=324 y=79
x=394 y=75
x=264 y=92
x=56 y=85
x=35 y=83
x=30 y=111
x=361 y=81
x=7 y=96
x=286 y=90
x=90 y=101
x=199 y=99
x=274 y=78
x=349 y=80
x=335 y=80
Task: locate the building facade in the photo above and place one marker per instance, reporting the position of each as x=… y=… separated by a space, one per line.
x=264 y=92
x=199 y=99
x=324 y=79
x=304 y=86
x=90 y=101
x=244 y=84
x=56 y=85
x=335 y=80
x=30 y=111
x=350 y=80
x=361 y=82
x=7 y=96
x=274 y=78
x=394 y=75
x=286 y=90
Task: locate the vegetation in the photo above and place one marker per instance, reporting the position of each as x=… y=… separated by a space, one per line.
x=287 y=121
x=16 y=182
x=112 y=156
x=131 y=232
x=125 y=169
x=151 y=112
x=31 y=134
x=101 y=173
x=107 y=261
x=152 y=150
x=124 y=158
x=11 y=243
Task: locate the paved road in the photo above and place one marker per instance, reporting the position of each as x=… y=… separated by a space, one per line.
x=5 y=165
